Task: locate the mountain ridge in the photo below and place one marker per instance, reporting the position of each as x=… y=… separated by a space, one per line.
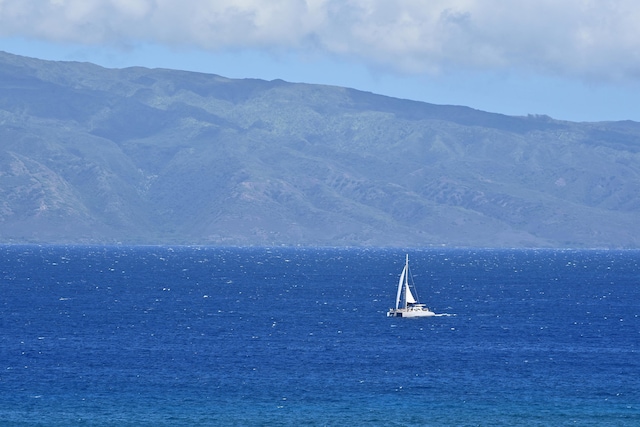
x=156 y=156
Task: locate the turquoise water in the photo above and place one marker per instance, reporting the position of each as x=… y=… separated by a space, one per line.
x=271 y=336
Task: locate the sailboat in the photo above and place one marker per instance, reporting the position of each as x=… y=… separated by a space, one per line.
x=406 y=304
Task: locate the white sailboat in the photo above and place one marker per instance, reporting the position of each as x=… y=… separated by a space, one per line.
x=406 y=304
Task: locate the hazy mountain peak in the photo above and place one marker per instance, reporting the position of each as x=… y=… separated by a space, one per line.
x=143 y=155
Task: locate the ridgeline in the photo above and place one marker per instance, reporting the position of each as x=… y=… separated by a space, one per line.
x=90 y=155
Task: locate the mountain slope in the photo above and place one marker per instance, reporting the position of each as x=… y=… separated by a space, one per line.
x=94 y=155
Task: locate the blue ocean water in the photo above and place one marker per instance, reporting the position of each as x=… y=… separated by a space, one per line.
x=166 y=336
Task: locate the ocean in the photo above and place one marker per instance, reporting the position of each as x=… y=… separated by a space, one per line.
x=208 y=336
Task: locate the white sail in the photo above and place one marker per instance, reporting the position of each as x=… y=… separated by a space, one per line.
x=400 y=285
x=408 y=295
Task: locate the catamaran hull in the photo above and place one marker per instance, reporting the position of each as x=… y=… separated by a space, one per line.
x=409 y=313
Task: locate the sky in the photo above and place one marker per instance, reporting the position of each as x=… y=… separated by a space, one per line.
x=576 y=60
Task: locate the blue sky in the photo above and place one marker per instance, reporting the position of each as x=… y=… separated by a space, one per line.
x=574 y=60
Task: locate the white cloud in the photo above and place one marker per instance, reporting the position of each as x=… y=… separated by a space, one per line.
x=578 y=38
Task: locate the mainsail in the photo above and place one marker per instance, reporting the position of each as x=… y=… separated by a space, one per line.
x=400 y=286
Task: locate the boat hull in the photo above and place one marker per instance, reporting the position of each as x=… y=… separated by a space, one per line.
x=403 y=312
